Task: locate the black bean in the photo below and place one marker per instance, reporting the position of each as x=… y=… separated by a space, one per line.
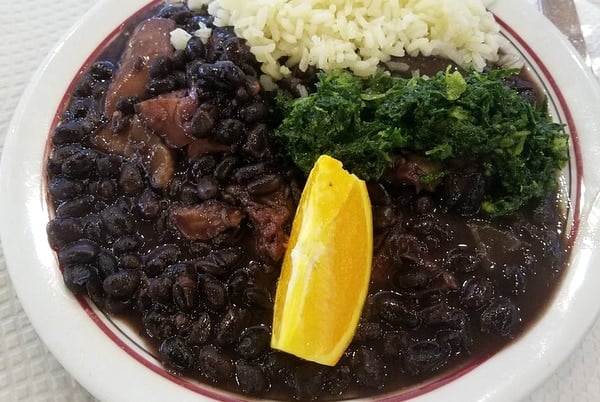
x=458 y=340
x=279 y=363
x=242 y=95
x=369 y=368
x=231 y=325
x=392 y=309
x=59 y=155
x=425 y=205
x=148 y=205
x=122 y=284
x=214 y=365
x=257 y=141
x=76 y=207
x=425 y=357
x=107 y=263
x=79 y=252
x=464 y=260
x=126 y=104
x=62 y=231
x=235 y=51
x=195 y=48
x=94 y=289
x=72 y=131
x=266 y=184
x=175 y=354
x=179 y=59
x=131 y=181
x=516 y=278
x=79 y=164
x=200 y=249
x=248 y=172
x=394 y=344
x=117 y=306
x=367 y=331
x=339 y=379
x=77 y=276
x=161 y=85
x=157 y=325
x=254 y=113
x=203 y=120
x=253 y=342
x=160 y=258
x=250 y=378
x=102 y=70
x=203 y=166
x=252 y=84
x=131 y=261
x=160 y=66
x=223 y=73
x=117 y=221
x=78 y=109
x=93 y=228
x=201 y=330
x=61 y=188
x=441 y=314
x=500 y=317
x=84 y=86
x=228 y=131
x=307 y=381
x=214 y=293
x=127 y=243
x=412 y=277
x=207 y=188
x=476 y=293
x=185 y=292
x=258 y=297
x=463 y=191
x=224 y=169
x=109 y=166
x=383 y=217
x=219 y=262
x=106 y=190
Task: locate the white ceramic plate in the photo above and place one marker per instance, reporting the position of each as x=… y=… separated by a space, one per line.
x=108 y=359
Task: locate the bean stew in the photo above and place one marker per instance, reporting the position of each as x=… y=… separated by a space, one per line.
x=172 y=201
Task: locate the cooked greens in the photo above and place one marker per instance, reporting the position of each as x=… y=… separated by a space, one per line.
x=450 y=116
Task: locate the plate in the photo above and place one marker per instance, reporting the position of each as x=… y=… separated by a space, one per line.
x=112 y=363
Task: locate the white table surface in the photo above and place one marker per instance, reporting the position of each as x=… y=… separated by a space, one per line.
x=28 y=372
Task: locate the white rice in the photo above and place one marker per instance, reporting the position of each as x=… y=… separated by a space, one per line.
x=359 y=34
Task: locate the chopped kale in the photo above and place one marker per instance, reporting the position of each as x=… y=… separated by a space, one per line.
x=362 y=122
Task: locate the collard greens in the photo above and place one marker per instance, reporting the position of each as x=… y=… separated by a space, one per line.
x=446 y=117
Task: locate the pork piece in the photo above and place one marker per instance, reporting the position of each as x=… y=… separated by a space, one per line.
x=411 y=169
x=150 y=39
x=138 y=142
x=207 y=220
x=167 y=115
x=270 y=214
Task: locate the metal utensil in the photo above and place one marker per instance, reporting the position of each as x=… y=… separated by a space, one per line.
x=563 y=14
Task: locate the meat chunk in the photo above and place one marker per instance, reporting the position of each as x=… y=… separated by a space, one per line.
x=150 y=39
x=167 y=115
x=138 y=142
x=207 y=220
x=270 y=214
x=412 y=169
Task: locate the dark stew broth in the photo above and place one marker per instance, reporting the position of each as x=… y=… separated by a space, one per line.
x=171 y=208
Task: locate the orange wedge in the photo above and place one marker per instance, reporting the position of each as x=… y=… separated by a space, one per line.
x=327 y=266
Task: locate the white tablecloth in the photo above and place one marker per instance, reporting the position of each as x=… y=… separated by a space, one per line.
x=28 y=372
